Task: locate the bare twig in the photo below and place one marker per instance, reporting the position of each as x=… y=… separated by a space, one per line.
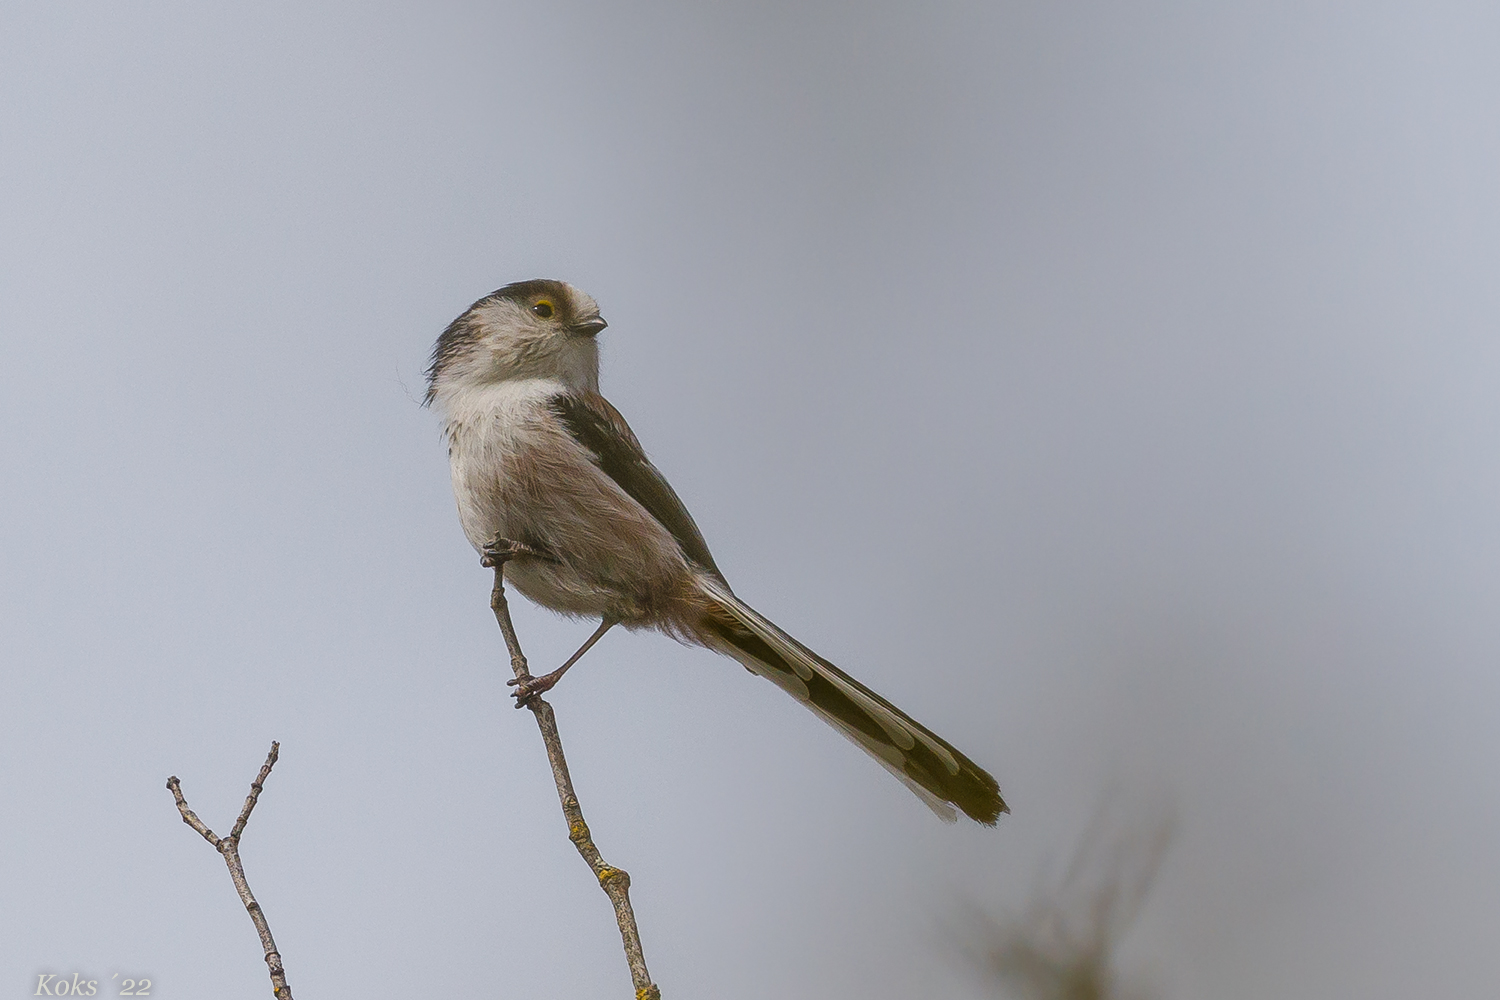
x=614 y=881
x=1065 y=947
x=230 y=847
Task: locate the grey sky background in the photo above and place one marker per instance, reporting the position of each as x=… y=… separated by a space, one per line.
x=1112 y=387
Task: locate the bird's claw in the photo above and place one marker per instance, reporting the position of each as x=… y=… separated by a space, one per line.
x=526 y=687
x=501 y=550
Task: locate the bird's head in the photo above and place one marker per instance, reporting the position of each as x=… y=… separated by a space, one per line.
x=531 y=329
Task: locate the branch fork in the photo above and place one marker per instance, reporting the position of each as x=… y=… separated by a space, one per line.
x=229 y=847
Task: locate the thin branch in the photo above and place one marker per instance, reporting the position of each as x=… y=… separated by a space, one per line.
x=1066 y=946
x=614 y=881
x=230 y=847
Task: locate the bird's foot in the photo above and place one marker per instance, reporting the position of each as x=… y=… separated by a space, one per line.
x=502 y=550
x=524 y=689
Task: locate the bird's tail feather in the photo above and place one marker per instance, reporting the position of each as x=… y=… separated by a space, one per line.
x=940 y=775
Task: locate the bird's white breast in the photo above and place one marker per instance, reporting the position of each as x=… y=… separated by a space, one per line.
x=488 y=428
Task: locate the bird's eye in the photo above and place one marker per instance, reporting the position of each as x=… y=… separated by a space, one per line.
x=543 y=309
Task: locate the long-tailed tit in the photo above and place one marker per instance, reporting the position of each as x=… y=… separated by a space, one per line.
x=543 y=462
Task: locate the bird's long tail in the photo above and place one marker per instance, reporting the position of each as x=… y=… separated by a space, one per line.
x=929 y=765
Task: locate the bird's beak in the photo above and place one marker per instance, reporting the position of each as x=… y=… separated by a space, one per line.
x=590 y=326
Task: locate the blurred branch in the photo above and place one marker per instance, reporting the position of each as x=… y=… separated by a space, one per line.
x=1064 y=947
x=614 y=881
x=230 y=847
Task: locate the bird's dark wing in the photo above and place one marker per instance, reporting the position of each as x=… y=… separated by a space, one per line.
x=598 y=426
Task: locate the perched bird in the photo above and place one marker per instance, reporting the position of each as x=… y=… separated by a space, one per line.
x=544 y=465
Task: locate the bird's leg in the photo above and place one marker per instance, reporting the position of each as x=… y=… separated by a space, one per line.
x=524 y=689
x=502 y=550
